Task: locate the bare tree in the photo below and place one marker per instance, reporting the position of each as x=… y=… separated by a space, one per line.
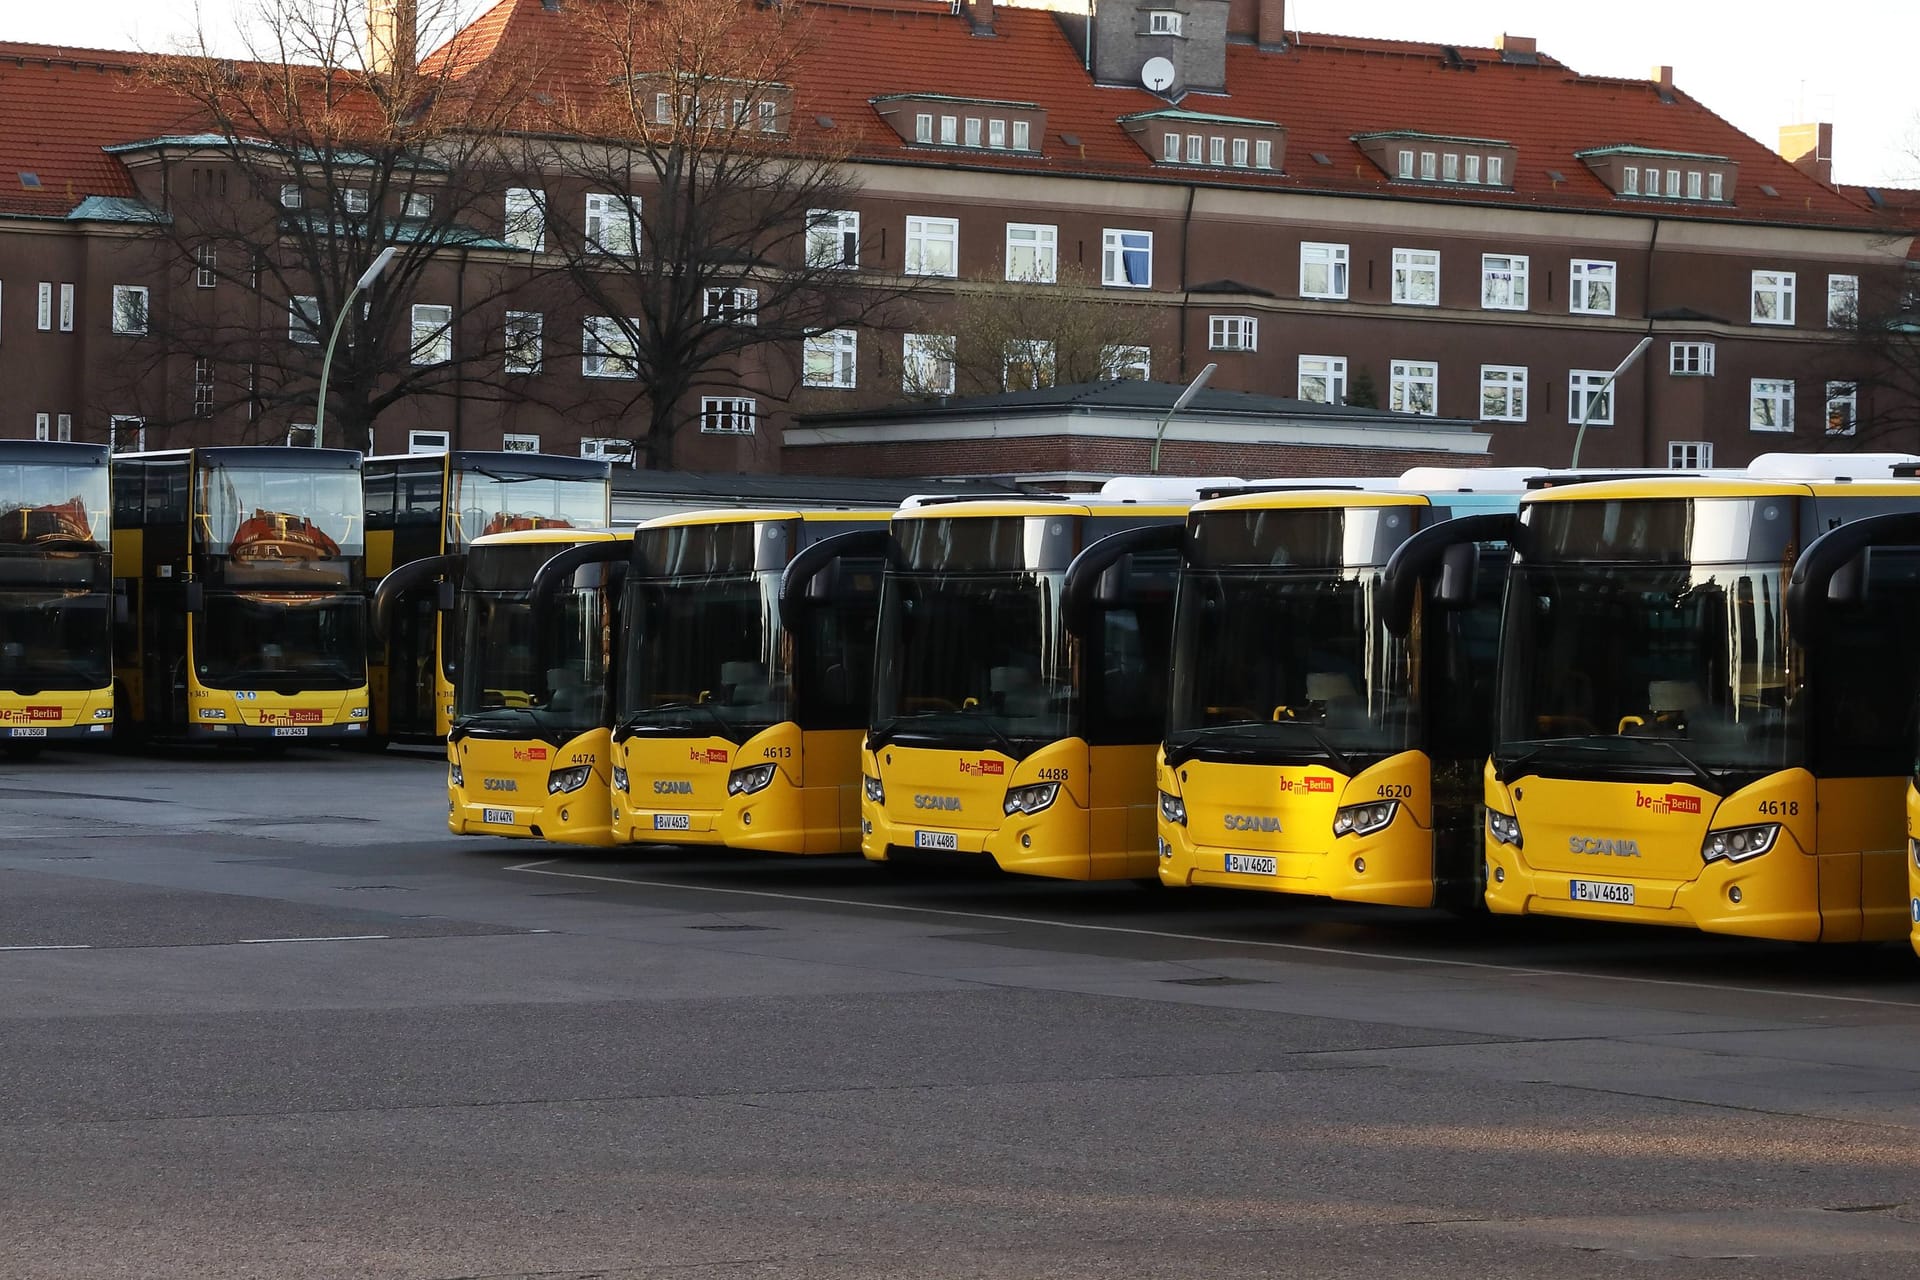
x=307 y=160
x=704 y=223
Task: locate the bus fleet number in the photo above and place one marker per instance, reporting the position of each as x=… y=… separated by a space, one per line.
x=1052 y=775
x=1395 y=791
x=778 y=753
x=1781 y=808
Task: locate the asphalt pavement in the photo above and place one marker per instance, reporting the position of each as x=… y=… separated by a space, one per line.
x=265 y=1017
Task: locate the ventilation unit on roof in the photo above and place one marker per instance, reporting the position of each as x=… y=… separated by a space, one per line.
x=1768 y=189
x=31 y=181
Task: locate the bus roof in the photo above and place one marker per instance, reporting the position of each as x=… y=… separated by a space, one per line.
x=544 y=466
x=62 y=451
x=1295 y=499
x=266 y=457
x=552 y=536
x=746 y=515
x=1720 y=486
x=988 y=508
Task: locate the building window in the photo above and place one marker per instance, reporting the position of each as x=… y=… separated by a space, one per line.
x=1033 y=252
x=1126 y=363
x=1323 y=379
x=1689 y=455
x=1843 y=407
x=1773 y=297
x=526 y=221
x=1630 y=181
x=63 y=426
x=1653 y=182
x=289 y=195
x=205 y=259
x=1495 y=167
x=926 y=364
x=1240 y=153
x=923 y=127
x=663 y=108
x=512 y=442
x=997 y=133
x=1216 y=151
x=769 y=117
x=1590 y=287
x=606 y=349
x=303 y=319
x=1589 y=393
x=303 y=435
x=1022 y=135
x=1843 y=301
x=428 y=441
x=1429 y=166
x=46 y=306
x=933 y=247
x=1414 y=387
x=829 y=359
x=1693 y=184
x=1673 y=182
x=1450 y=167
x=950 y=129
x=1233 y=333
x=126 y=433
x=432 y=334
x=730 y=304
x=1416 y=277
x=1770 y=406
x=1194 y=143
x=522 y=343
x=42 y=426
x=1170 y=148
x=1029 y=364
x=418 y=204
x=1690 y=359
x=1126 y=259
x=1503 y=281
x=1716 y=189
x=1406 y=164
x=66 y=308
x=1263 y=154
x=728 y=415
x=355 y=199
x=833 y=238
x=1473 y=168
x=1503 y=393
x=973 y=131
x=610 y=224
x=1163 y=22
x=202 y=387
x=607 y=449
x=130 y=310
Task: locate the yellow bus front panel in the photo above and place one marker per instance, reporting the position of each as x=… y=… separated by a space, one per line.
x=1307 y=830
x=255 y=715
x=1913 y=865
x=781 y=791
x=509 y=787
x=56 y=715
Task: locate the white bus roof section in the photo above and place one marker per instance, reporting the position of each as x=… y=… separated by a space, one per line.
x=1826 y=466
x=1469 y=479
x=1161 y=489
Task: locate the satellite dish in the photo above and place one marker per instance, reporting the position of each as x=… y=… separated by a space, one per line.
x=1157 y=74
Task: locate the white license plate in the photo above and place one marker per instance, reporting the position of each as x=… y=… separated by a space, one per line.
x=502 y=816
x=26 y=733
x=936 y=840
x=281 y=731
x=1251 y=864
x=1620 y=895
x=672 y=822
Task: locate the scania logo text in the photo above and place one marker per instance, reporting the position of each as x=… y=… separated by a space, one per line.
x=672 y=787
x=1603 y=846
x=950 y=804
x=499 y=784
x=1250 y=822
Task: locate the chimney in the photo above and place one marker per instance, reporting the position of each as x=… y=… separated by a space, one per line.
x=1517 y=48
x=980 y=15
x=1271 y=31
x=1810 y=147
x=392 y=35
x=1663 y=77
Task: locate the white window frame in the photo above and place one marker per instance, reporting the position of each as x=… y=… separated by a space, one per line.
x=1330 y=375
x=729 y=415
x=1589 y=387
x=1233 y=333
x=997 y=134
x=1196 y=147
x=607 y=448
x=731 y=303
x=523 y=338
x=418 y=204
x=206 y=261
x=1673 y=183
x=1404 y=169
x=295 y=440
x=203 y=386
x=1716 y=187
x=1170 y=148
x=1240 y=153
x=1695 y=187
x=1593 y=287
x=63 y=426
x=1039 y=354
x=833 y=238
x=607 y=349
x=429 y=442
x=1496 y=165
x=1503 y=281
x=1630 y=180
x=973 y=132
x=1509 y=382
x=1690 y=360
x=1407 y=380
x=950 y=131
x=1126 y=362
x=42 y=426
x=923 y=126
x=1163 y=22
x=519 y=442
x=130 y=313
x=130 y=422
x=926 y=364
x=1652 y=183
x=290 y=197
x=353 y=199
x=831 y=359
x=301 y=327
x=769 y=116
x=1217 y=150
x=924 y=236
x=612 y=224
x=1429 y=166
x=1114 y=250
x=1770 y=397
x=66 y=308
x=1843 y=301
x=1042 y=241
x=1263 y=153
x=524 y=224
x=1023 y=135
x=1689 y=455
x=430 y=334
x=1773 y=297
x=1410 y=267
x=1472 y=173
x=45 y=320
x=1845 y=397
x=1450 y=167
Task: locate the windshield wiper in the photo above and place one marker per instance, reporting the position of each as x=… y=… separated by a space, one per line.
x=1335 y=756
x=884 y=731
x=1709 y=780
x=721 y=726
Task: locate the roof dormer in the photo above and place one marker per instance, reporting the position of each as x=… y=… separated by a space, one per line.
x=1651 y=173
x=1407 y=155
x=964 y=124
x=1171 y=136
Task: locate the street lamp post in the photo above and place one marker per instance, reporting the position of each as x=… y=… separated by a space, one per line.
x=1185 y=398
x=1589 y=398
x=365 y=281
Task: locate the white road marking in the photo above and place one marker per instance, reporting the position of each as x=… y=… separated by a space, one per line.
x=53 y=946
x=344 y=937
x=539 y=869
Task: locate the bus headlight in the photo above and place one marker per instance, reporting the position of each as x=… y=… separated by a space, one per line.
x=566 y=781
x=1173 y=809
x=619 y=779
x=1913 y=850
x=1503 y=827
x=875 y=792
x=1364 y=819
x=1033 y=799
x=455 y=778
x=357 y=713
x=103 y=713
x=1737 y=844
x=744 y=782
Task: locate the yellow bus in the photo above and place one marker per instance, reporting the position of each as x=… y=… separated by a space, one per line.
x=1333 y=662
x=242 y=567
x=1021 y=683
x=56 y=595
x=1670 y=747
x=535 y=636
x=746 y=677
x=422 y=512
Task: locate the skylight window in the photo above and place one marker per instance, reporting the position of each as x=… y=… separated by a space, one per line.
x=31 y=181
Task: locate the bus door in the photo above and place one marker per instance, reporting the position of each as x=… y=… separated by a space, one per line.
x=410 y=666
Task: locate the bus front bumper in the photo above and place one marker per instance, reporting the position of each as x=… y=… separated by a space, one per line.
x=578 y=817
x=1392 y=867
x=1055 y=842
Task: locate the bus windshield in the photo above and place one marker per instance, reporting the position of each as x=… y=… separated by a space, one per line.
x=484 y=504
x=502 y=650
x=973 y=658
x=53 y=640
x=708 y=656
x=1288 y=668
x=51 y=504
x=285 y=641
x=280 y=513
x=1671 y=668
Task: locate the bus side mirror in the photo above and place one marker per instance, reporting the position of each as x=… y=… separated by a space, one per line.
x=443 y=595
x=196 y=598
x=1459 y=574
x=1849 y=582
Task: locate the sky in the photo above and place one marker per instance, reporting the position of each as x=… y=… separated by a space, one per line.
x=1761 y=64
